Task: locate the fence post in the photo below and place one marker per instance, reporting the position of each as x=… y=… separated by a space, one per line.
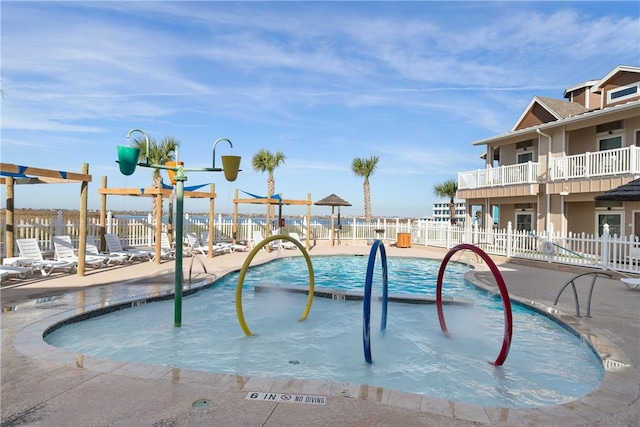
x=59 y=223
x=475 y=239
x=549 y=234
x=150 y=228
x=109 y=222
x=355 y=230
x=605 y=245
x=509 y=238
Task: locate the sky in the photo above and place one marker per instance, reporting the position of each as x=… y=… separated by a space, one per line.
x=414 y=83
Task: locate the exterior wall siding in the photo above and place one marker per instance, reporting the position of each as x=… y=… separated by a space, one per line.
x=537 y=116
x=621 y=79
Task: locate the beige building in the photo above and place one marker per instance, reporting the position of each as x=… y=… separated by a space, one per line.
x=560 y=154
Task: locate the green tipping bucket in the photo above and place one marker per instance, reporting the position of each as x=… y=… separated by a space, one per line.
x=128 y=159
x=230 y=166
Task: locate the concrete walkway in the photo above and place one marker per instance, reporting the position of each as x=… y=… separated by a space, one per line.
x=46 y=386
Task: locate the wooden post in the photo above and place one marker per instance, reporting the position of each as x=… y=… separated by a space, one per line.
x=158 y=236
x=84 y=197
x=212 y=219
x=308 y=220
x=235 y=221
x=9 y=240
x=103 y=216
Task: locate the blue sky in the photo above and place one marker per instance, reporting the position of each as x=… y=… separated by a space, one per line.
x=414 y=83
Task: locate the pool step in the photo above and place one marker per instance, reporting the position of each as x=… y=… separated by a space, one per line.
x=337 y=294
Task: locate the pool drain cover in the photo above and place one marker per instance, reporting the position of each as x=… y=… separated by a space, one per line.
x=201 y=404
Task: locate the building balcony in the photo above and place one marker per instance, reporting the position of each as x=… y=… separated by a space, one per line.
x=601 y=164
x=619 y=161
x=523 y=173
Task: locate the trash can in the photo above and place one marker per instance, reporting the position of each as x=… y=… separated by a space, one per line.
x=404 y=240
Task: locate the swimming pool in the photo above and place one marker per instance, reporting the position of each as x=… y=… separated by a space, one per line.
x=547 y=365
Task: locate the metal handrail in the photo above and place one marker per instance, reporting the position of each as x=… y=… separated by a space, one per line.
x=575 y=293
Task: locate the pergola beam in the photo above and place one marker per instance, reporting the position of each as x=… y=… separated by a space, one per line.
x=58 y=176
x=16 y=174
x=155 y=192
x=271 y=201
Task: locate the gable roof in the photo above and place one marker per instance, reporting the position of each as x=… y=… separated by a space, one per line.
x=619 y=69
x=555 y=107
x=586 y=85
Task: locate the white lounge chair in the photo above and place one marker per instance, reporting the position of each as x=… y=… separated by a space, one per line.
x=64 y=252
x=273 y=245
x=29 y=248
x=167 y=251
x=631 y=282
x=236 y=247
x=296 y=237
x=114 y=246
x=197 y=247
x=7 y=271
x=92 y=249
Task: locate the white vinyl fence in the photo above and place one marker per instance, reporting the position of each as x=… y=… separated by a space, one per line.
x=604 y=252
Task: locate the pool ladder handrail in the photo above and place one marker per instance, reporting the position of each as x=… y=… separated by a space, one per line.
x=575 y=293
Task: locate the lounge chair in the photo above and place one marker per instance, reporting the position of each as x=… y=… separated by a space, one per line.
x=166 y=250
x=115 y=247
x=64 y=252
x=631 y=282
x=273 y=245
x=296 y=237
x=29 y=248
x=235 y=247
x=217 y=247
x=199 y=248
x=7 y=271
x=92 y=249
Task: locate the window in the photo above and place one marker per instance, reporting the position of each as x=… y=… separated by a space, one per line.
x=623 y=93
x=524 y=221
x=609 y=127
x=524 y=151
x=613 y=220
x=610 y=142
x=525 y=157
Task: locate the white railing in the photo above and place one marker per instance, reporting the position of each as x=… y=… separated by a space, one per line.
x=603 y=252
x=522 y=173
x=601 y=163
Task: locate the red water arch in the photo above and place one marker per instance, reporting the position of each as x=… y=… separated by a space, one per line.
x=504 y=294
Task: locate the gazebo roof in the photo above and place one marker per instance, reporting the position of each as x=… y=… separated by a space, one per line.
x=629 y=192
x=332 y=200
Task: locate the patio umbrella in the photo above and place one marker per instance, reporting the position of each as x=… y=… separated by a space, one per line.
x=629 y=192
x=333 y=201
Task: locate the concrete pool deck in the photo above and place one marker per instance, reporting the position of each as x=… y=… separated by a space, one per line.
x=42 y=385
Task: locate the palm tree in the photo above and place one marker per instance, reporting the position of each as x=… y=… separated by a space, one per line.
x=448 y=189
x=266 y=161
x=159 y=154
x=365 y=167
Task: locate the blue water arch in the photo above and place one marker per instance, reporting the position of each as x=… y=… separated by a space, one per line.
x=366 y=311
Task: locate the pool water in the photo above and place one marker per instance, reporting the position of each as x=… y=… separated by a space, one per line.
x=547 y=365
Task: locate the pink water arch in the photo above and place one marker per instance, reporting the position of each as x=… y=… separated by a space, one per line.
x=504 y=294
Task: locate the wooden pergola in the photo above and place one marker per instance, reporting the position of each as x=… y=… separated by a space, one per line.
x=270 y=201
x=13 y=175
x=159 y=193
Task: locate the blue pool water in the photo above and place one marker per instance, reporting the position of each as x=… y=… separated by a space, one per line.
x=547 y=365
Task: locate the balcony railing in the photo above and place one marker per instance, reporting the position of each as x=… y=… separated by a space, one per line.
x=522 y=173
x=601 y=163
